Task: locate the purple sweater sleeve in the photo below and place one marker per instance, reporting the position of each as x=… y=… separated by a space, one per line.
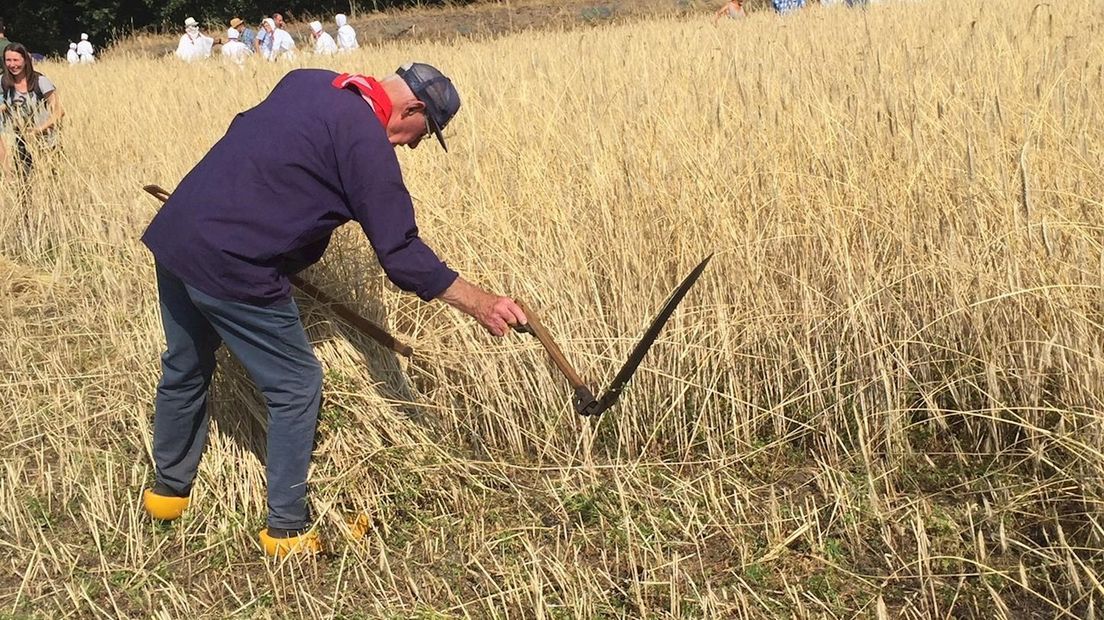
x=380 y=203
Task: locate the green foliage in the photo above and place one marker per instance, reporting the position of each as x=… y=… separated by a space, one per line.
x=592 y=14
x=755 y=574
x=583 y=508
x=49 y=28
x=834 y=551
x=39 y=512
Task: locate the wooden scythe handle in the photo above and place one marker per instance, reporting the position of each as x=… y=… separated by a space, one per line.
x=535 y=328
x=368 y=328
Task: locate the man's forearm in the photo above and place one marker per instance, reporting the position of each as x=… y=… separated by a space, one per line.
x=465 y=296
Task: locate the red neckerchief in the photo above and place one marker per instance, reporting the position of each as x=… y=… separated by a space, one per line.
x=370 y=90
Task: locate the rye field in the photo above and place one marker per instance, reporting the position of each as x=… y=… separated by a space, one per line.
x=884 y=398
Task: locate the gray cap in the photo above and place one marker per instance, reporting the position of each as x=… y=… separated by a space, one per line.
x=436 y=91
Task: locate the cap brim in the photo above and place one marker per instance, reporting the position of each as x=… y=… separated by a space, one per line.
x=432 y=116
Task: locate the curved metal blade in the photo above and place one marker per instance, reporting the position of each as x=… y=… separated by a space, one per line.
x=610 y=396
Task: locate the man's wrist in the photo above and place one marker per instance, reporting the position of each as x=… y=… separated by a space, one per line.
x=463 y=296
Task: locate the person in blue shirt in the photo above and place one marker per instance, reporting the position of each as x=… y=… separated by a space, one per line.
x=245 y=34
x=785 y=6
x=223 y=263
x=261 y=38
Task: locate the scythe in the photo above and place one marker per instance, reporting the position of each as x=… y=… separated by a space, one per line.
x=584 y=400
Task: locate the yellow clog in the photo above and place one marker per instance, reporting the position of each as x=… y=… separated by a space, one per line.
x=163 y=507
x=304 y=544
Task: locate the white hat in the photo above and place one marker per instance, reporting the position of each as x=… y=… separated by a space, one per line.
x=340 y=19
x=232 y=33
x=316 y=26
x=189 y=22
x=84 y=37
x=268 y=20
x=72 y=45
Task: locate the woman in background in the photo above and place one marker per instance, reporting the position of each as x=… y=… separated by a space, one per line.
x=30 y=108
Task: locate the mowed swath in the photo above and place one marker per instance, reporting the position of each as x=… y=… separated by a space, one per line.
x=884 y=396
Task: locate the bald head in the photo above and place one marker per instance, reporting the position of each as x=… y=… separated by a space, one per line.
x=397 y=89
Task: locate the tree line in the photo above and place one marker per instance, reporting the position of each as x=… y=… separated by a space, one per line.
x=52 y=24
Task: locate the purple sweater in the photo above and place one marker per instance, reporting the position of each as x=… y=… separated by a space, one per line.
x=264 y=200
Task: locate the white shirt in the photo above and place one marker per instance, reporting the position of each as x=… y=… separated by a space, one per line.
x=235 y=50
x=324 y=44
x=194 y=48
x=86 y=52
x=346 y=38
x=281 y=45
x=72 y=56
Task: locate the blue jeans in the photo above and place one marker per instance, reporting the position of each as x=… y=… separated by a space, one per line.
x=272 y=346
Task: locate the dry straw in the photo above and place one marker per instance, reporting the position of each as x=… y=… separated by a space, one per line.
x=883 y=399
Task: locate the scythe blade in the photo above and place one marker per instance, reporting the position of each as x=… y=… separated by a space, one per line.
x=584 y=401
x=610 y=396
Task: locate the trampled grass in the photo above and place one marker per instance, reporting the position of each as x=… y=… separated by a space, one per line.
x=883 y=399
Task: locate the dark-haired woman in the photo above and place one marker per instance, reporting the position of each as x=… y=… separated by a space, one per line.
x=29 y=107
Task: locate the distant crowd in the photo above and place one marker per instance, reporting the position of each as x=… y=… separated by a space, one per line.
x=271 y=41
x=734 y=9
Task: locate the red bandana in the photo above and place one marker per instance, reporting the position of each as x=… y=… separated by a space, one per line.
x=370 y=90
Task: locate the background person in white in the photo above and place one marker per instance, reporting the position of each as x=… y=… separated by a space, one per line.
x=234 y=49
x=72 y=56
x=278 y=43
x=85 y=52
x=194 y=45
x=346 y=36
x=323 y=42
